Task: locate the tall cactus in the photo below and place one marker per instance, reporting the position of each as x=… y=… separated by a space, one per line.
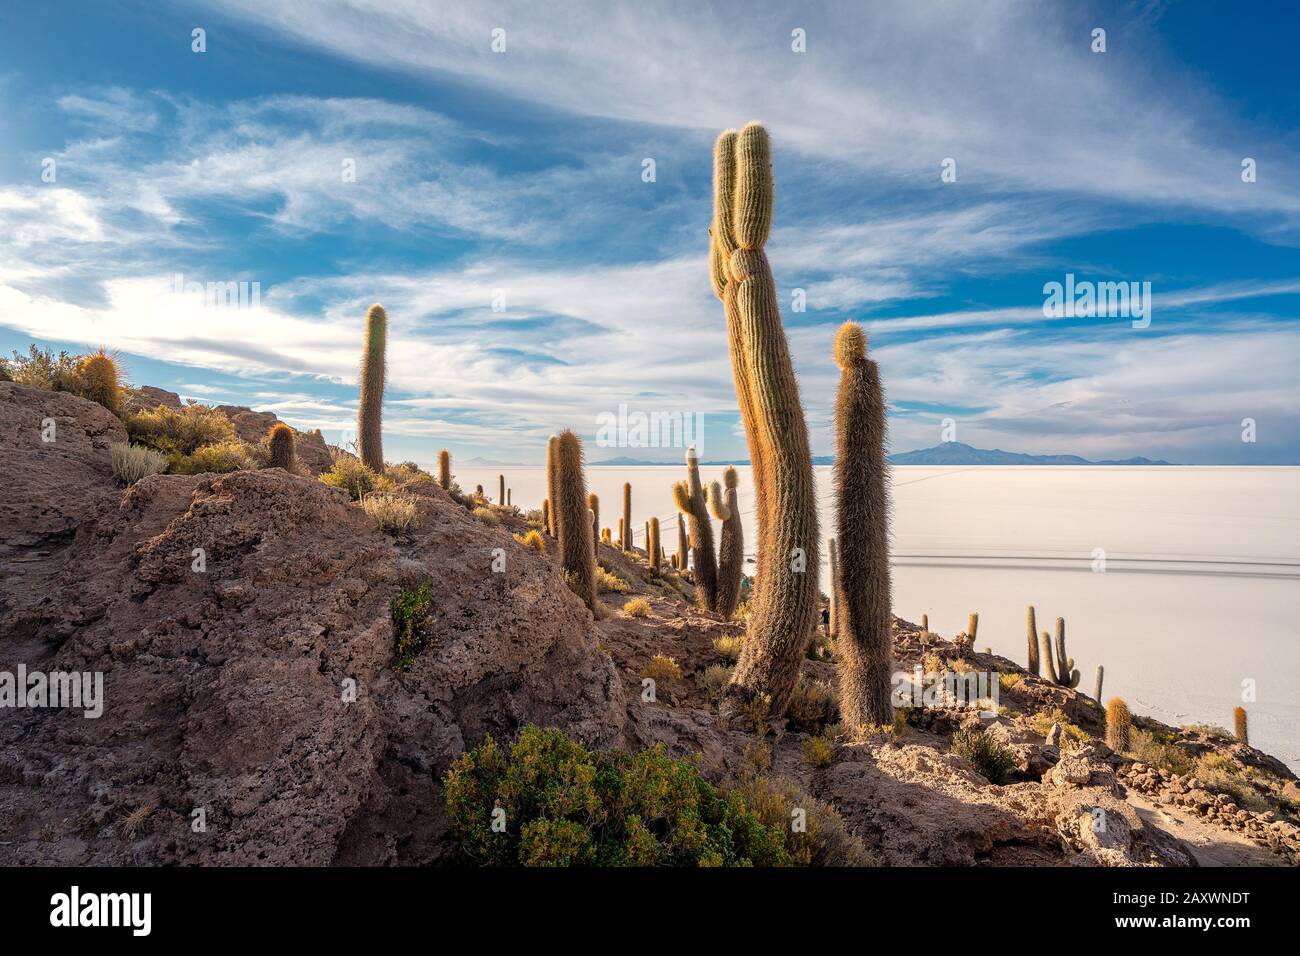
x=370 y=439
x=551 y=491
x=731 y=548
x=785 y=600
x=1034 y=665
x=625 y=526
x=1096 y=692
x=444 y=469
x=863 y=638
x=501 y=490
x=1066 y=675
x=573 y=520
x=282 y=445
x=654 y=550
x=833 y=604
x=593 y=503
x=682 y=544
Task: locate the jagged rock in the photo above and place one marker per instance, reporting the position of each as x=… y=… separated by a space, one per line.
x=252 y=426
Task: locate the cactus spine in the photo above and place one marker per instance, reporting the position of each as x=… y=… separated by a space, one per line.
x=1119 y=725
x=1096 y=692
x=573 y=520
x=863 y=639
x=1239 y=725
x=370 y=440
x=282 y=447
x=785 y=601
x=1066 y=675
x=654 y=551
x=593 y=503
x=551 y=491
x=625 y=526
x=444 y=469
x=1034 y=666
x=731 y=549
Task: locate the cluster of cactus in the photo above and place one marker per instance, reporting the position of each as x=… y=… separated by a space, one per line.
x=370 y=441
x=860 y=585
x=785 y=603
x=283 y=449
x=1060 y=667
x=690 y=500
x=572 y=518
x=1119 y=725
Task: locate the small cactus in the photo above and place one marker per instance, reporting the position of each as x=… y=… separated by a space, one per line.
x=1239 y=725
x=573 y=520
x=281 y=440
x=731 y=548
x=830 y=611
x=546 y=515
x=1096 y=693
x=1119 y=725
x=97 y=380
x=682 y=545
x=1034 y=666
x=625 y=526
x=444 y=469
x=655 y=551
x=370 y=441
x=501 y=489
x=925 y=623
x=509 y=503
x=973 y=625
x=1045 y=649
x=593 y=503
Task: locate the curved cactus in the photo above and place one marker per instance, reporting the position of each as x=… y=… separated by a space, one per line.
x=370 y=440
x=282 y=443
x=731 y=548
x=1034 y=665
x=573 y=520
x=785 y=600
x=444 y=469
x=863 y=625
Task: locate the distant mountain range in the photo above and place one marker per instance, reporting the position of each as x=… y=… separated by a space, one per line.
x=948 y=453
x=481 y=462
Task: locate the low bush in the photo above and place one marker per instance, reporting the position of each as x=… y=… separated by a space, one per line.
x=534 y=540
x=392 y=513
x=178 y=432
x=662 y=668
x=995 y=762
x=608 y=582
x=133 y=462
x=217 y=458
x=637 y=607
x=818 y=751
x=729 y=646
x=410 y=622
x=813 y=704
x=355 y=478
x=822 y=840
x=548 y=801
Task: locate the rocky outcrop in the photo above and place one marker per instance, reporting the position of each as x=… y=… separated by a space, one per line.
x=251 y=426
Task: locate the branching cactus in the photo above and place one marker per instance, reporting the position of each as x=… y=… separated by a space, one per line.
x=282 y=443
x=725 y=506
x=1034 y=666
x=551 y=490
x=1239 y=725
x=785 y=600
x=593 y=503
x=654 y=550
x=1066 y=675
x=1119 y=725
x=444 y=469
x=701 y=530
x=370 y=439
x=686 y=505
x=863 y=639
x=573 y=520
x=625 y=526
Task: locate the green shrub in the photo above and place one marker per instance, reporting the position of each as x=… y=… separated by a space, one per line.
x=355 y=478
x=637 y=607
x=818 y=751
x=393 y=513
x=43 y=369
x=1043 y=720
x=813 y=704
x=410 y=622
x=217 y=458
x=729 y=646
x=990 y=758
x=178 y=432
x=714 y=679
x=563 y=805
x=608 y=582
x=824 y=839
x=1150 y=749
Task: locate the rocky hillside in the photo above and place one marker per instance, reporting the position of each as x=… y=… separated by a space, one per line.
x=253 y=713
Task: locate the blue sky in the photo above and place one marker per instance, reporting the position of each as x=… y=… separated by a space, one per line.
x=519 y=175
